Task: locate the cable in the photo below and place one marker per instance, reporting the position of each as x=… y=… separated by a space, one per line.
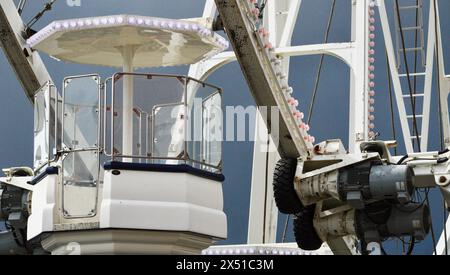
x=283 y=237
x=400 y=162
x=21 y=6
x=261 y=9
x=48 y=6
x=413 y=103
x=412 y=244
x=416 y=42
x=322 y=57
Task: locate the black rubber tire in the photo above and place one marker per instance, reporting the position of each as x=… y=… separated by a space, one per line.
x=304 y=231
x=283 y=187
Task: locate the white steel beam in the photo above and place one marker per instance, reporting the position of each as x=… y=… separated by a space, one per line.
x=343 y=51
x=27 y=64
x=395 y=76
x=428 y=78
x=444 y=93
x=263 y=214
x=445 y=83
x=359 y=86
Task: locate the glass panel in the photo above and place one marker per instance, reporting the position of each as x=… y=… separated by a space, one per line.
x=40 y=136
x=80 y=179
x=54 y=123
x=150 y=91
x=168 y=131
x=81 y=113
x=81 y=134
x=212 y=130
x=205 y=126
x=162 y=128
x=44 y=125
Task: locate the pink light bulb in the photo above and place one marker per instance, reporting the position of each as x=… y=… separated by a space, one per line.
x=255 y=12
x=372 y=20
x=372 y=44
x=371 y=76
x=371 y=51
x=371 y=126
x=372 y=28
x=299 y=114
x=372 y=93
x=371 y=101
x=371 y=117
x=371 y=109
x=372 y=36
x=372 y=68
x=372 y=84
x=372 y=59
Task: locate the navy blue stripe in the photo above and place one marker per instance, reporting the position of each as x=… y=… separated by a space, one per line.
x=48 y=171
x=179 y=168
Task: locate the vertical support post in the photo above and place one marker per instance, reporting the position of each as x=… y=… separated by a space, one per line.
x=128 y=96
x=263 y=215
x=444 y=93
x=358 y=120
x=445 y=82
x=428 y=78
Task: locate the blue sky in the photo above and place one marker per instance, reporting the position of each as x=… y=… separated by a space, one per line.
x=16 y=115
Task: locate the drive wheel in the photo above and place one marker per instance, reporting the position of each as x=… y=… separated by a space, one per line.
x=304 y=231
x=283 y=187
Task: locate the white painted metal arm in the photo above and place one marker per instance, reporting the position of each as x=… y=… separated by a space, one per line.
x=27 y=64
